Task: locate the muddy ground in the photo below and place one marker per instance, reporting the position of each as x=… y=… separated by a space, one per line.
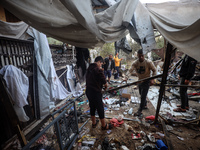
x=181 y=137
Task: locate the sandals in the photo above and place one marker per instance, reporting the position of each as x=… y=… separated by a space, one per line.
x=179 y=109
x=95 y=125
x=187 y=108
x=107 y=125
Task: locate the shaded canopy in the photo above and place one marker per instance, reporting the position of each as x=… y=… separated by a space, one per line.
x=73 y=21
x=179 y=23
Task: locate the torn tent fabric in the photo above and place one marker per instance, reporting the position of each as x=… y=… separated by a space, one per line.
x=179 y=23
x=123 y=45
x=73 y=21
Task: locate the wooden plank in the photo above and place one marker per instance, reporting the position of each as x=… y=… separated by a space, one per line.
x=167 y=137
x=183 y=85
x=7 y=101
x=2 y=14
x=21 y=136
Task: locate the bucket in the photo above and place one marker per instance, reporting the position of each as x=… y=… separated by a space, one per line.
x=161 y=145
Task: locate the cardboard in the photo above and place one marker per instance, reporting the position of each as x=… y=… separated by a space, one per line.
x=126 y=95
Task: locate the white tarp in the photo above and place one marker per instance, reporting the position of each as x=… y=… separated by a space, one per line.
x=43 y=57
x=179 y=23
x=48 y=88
x=58 y=91
x=14 y=30
x=73 y=21
x=144 y=28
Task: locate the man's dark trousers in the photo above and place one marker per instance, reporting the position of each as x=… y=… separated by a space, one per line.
x=183 y=94
x=143 y=90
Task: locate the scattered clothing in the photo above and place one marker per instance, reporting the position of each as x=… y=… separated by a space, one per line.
x=17 y=83
x=115 y=122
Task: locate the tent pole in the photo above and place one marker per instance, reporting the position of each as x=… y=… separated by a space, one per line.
x=164 y=78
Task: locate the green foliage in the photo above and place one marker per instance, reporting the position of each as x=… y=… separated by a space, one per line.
x=154 y=56
x=107 y=49
x=159 y=41
x=54 y=41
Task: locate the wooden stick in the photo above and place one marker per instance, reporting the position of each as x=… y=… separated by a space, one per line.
x=196 y=120
x=163 y=118
x=167 y=137
x=182 y=85
x=133 y=83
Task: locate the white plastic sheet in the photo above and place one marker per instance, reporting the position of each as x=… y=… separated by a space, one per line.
x=73 y=21
x=179 y=23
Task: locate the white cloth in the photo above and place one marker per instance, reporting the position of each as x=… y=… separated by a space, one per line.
x=18 y=85
x=58 y=91
x=76 y=90
x=73 y=21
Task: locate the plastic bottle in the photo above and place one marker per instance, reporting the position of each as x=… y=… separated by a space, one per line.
x=130 y=111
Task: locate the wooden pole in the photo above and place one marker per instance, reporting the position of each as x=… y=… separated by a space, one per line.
x=164 y=79
x=133 y=83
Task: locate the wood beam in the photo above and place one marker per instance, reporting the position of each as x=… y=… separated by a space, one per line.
x=164 y=79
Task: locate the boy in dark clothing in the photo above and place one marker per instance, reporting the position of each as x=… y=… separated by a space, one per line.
x=186 y=73
x=95 y=80
x=108 y=67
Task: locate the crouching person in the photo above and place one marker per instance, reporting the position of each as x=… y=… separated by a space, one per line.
x=95 y=81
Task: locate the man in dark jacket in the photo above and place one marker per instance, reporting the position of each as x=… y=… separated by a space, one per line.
x=186 y=73
x=95 y=80
x=108 y=66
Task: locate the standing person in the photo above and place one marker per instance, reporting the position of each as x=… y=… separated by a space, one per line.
x=95 y=81
x=186 y=73
x=109 y=66
x=143 y=69
x=117 y=64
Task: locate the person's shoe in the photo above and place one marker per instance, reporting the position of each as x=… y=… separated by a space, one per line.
x=179 y=109
x=107 y=127
x=187 y=108
x=138 y=113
